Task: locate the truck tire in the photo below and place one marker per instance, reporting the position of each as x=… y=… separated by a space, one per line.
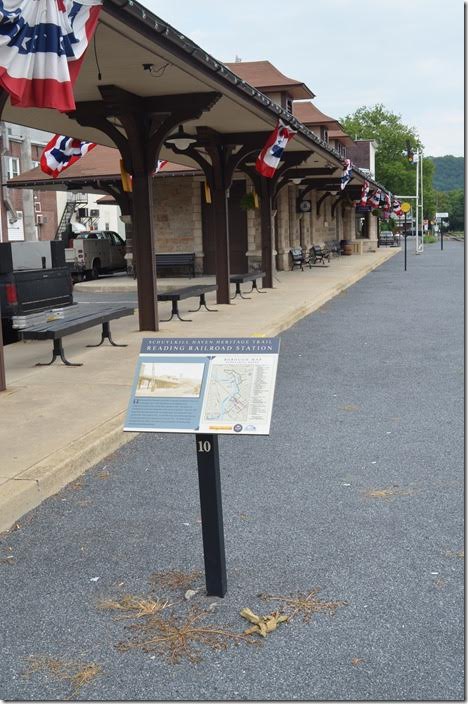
x=93 y=273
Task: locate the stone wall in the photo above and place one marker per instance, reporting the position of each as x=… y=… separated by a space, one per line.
x=177 y=216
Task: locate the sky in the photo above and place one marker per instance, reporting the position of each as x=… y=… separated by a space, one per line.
x=406 y=54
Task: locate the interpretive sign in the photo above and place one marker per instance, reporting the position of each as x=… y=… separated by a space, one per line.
x=204 y=385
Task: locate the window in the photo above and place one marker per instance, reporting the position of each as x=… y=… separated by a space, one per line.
x=34 y=164
x=324 y=134
x=13 y=167
x=116 y=239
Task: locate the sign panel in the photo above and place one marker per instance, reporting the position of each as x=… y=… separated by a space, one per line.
x=439 y=216
x=204 y=385
x=405 y=207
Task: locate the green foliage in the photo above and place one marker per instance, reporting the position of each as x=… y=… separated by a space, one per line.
x=429 y=239
x=453 y=203
x=392 y=167
x=449 y=172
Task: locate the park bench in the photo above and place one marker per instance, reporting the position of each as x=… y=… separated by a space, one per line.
x=335 y=248
x=173 y=260
x=298 y=258
x=178 y=294
x=318 y=254
x=239 y=279
x=75 y=318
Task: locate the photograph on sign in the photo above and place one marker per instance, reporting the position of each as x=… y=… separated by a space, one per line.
x=206 y=385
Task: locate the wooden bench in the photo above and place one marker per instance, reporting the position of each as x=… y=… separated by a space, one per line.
x=179 y=294
x=171 y=260
x=75 y=318
x=239 y=279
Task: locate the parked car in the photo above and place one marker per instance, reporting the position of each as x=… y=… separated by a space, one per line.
x=386 y=238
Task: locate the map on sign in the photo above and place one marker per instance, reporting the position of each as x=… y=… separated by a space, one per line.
x=208 y=385
x=229 y=393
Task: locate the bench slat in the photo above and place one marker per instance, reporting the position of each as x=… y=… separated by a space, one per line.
x=79 y=320
x=187 y=292
x=249 y=276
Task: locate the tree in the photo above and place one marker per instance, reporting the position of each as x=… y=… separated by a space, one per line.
x=392 y=167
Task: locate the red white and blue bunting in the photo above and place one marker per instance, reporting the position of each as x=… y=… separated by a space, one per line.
x=270 y=156
x=42 y=46
x=160 y=164
x=346 y=177
x=364 y=193
x=61 y=152
x=374 y=198
x=396 y=208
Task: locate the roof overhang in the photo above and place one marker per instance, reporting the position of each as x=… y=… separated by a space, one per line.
x=127 y=38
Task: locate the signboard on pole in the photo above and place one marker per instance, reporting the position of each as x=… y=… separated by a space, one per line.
x=441 y=216
x=204 y=385
x=405 y=207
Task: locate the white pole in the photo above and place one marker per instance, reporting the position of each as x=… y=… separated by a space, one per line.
x=422 y=205
x=417 y=203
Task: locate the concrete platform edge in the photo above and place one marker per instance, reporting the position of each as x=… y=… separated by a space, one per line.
x=47 y=477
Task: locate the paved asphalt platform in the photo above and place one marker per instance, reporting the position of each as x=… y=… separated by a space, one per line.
x=358 y=492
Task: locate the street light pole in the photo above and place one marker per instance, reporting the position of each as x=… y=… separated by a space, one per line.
x=422 y=204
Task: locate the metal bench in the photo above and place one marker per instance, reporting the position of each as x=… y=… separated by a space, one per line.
x=318 y=254
x=239 y=279
x=179 y=294
x=172 y=260
x=75 y=318
x=335 y=248
x=298 y=258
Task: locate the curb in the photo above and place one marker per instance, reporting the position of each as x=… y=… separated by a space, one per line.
x=52 y=473
x=49 y=475
x=299 y=313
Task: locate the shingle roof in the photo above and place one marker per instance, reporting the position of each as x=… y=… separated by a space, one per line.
x=309 y=114
x=266 y=77
x=100 y=162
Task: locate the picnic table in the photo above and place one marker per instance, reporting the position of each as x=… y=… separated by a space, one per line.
x=75 y=318
x=178 y=294
x=239 y=279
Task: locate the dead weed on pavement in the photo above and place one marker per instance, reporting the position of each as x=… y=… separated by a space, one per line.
x=134 y=606
x=78 y=674
x=177 y=637
x=305 y=605
x=388 y=493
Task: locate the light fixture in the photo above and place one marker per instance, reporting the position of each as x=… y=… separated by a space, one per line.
x=297 y=181
x=182 y=140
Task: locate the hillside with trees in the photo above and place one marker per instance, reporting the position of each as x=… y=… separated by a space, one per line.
x=392 y=167
x=449 y=172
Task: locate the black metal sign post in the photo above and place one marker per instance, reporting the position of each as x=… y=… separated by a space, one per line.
x=441 y=236
x=209 y=481
x=406 y=235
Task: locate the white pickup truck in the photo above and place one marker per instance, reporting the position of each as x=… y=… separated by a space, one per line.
x=92 y=253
